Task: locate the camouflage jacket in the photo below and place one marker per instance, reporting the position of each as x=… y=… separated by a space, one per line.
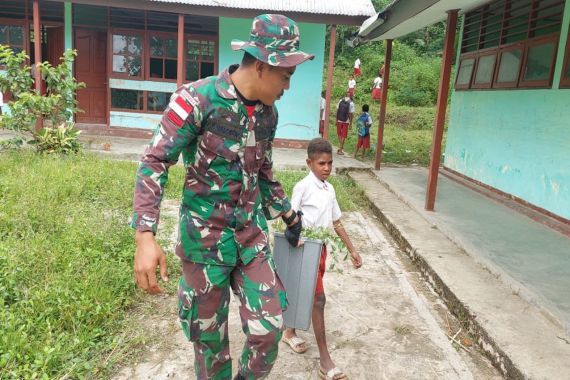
x=229 y=189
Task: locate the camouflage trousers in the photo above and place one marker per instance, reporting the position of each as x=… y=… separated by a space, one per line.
x=203 y=306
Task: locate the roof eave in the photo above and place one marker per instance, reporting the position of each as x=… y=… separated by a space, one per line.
x=218 y=11
x=393 y=15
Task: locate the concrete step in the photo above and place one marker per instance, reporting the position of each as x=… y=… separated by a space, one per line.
x=520 y=339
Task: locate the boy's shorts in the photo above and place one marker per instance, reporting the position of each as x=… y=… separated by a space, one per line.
x=351 y=92
x=341 y=129
x=321 y=127
x=363 y=142
x=319 y=288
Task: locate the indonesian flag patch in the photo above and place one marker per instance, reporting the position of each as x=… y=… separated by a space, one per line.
x=179 y=111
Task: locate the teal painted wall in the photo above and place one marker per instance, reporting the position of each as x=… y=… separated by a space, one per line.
x=517 y=141
x=299 y=107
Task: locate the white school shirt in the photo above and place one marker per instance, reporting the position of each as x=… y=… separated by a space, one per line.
x=351 y=83
x=377 y=82
x=317 y=200
x=357 y=63
x=323 y=106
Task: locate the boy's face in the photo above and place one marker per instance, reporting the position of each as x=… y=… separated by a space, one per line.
x=321 y=165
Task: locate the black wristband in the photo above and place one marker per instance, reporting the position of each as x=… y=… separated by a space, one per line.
x=289 y=220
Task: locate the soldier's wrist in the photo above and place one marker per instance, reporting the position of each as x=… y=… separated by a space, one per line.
x=143 y=236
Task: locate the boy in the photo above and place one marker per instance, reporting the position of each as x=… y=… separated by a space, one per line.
x=351 y=86
x=344 y=114
x=357 y=71
x=316 y=198
x=363 y=124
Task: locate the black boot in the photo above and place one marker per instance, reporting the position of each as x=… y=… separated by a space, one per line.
x=239 y=376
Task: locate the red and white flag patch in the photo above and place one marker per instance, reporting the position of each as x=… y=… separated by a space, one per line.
x=179 y=110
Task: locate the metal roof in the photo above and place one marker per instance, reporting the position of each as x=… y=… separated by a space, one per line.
x=402 y=17
x=324 y=7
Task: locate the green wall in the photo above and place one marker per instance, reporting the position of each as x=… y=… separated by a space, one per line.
x=517 y=141
x=299 y=107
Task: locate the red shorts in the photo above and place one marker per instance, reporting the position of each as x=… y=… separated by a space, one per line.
x=321 y=127
x=363 y=142
x=357 y=71
x=350 y=92
x=319 y=288
x=377 y=93
x=341 y=129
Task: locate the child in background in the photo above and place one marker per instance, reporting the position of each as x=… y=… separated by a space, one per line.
x=316 y=198
x=351 y=86
x=363 y=124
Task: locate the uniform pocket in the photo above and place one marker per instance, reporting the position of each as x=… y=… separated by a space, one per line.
x=187 y=311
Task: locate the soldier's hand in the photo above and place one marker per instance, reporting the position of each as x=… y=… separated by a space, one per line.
x=148 y=256
x=293 y=232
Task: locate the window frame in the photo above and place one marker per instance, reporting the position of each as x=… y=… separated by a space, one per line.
x=128 y=32
x=200 y=38
x=542 y=40
x=530 y=40
x=506 y=49
x=148 y=35
x=461 y=59
x=480 y=54
x=26 y=31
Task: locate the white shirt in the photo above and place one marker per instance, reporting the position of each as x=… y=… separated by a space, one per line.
x=357 y=63
x=317 y=200
x=351 y=83
x=323 y=106
x=377 y=82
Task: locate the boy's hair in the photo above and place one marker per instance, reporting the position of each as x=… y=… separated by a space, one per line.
x=318 y=146
x=323 y=93
x=365 y=108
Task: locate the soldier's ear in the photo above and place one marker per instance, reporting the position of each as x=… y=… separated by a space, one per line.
x=259 y=67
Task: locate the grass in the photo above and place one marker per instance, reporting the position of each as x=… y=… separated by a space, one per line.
x=66 y=256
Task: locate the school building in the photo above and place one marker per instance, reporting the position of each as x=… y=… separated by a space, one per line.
x=509 y=119
x=132 y=54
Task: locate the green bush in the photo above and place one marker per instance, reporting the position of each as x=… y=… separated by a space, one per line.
x=415 y=84
x=63 y=139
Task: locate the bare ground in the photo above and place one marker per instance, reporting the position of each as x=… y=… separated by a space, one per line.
x=383 y=322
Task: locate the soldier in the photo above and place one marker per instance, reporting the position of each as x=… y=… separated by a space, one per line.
x=224 y=127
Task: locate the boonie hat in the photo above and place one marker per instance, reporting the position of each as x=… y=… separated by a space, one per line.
x=274 y=39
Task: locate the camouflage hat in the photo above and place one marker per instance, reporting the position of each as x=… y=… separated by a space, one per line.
x=274 y=39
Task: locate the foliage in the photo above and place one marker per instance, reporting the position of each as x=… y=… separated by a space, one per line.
x=62 y=139
x=65 y=265
x=11 y=144
x=57 y=105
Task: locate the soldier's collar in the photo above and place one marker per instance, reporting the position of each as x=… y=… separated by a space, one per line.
x=224 y=84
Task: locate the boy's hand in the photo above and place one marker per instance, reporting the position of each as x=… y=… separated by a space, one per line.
x=356 y=259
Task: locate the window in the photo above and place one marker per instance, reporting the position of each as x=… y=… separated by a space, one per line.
x=127 y=99
x=484 y=73
x=465 y=72
x=12 y=36
x=163 y=57
x=539 y=63
x=127 y=55
x=157 y=101
x=509 y=66
x=200 y=58
x=510 y=44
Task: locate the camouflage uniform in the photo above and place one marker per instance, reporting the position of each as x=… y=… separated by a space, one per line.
x=229 y=191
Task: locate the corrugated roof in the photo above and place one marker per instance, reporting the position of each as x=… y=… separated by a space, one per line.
x=324 y=7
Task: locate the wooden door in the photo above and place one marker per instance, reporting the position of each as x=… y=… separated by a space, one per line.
x=55 y=41
x=91 y=68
